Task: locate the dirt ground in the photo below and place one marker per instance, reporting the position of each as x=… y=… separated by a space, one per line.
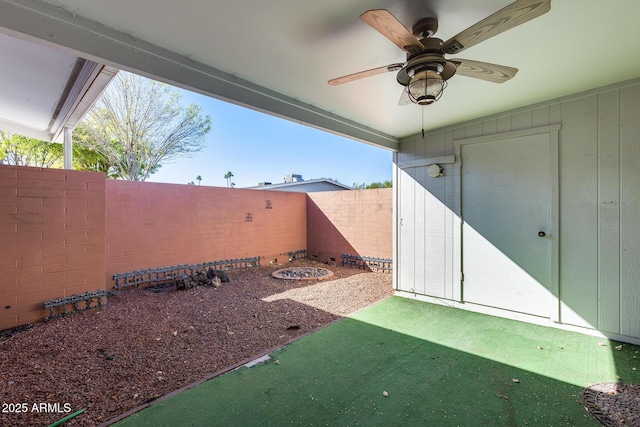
x=146 y=343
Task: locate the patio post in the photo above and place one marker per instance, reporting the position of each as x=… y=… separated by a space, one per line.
x=68 y=148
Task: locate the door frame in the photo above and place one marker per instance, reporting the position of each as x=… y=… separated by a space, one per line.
x=553 y=132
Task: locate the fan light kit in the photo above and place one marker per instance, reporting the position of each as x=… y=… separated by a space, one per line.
x=425 y=73
x=426 y=87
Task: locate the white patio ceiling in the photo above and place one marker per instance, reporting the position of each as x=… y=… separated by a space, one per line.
x=45 y=89
x=277 y=55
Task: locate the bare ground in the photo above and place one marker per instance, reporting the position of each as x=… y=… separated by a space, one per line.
x=145 y=344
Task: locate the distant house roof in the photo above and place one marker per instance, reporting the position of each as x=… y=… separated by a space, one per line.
x=310 y=186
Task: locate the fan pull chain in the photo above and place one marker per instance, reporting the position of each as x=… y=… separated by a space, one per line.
x=423 y=122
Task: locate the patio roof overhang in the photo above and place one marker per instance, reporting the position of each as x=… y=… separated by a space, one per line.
x=276 y=56
x=46 y=90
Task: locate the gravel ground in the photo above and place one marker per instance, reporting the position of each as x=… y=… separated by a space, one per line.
x=145 y=344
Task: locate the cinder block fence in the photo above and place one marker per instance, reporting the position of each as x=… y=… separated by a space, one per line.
x=68 y=232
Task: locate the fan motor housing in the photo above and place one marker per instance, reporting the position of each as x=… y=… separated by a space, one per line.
x=431 y=58
x=426 y=61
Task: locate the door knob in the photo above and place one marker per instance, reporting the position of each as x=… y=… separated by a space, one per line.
x=541 y=234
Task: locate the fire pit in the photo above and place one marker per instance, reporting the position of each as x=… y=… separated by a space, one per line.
x=303 y=273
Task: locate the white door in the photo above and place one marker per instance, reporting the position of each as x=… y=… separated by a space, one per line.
x=506 y=213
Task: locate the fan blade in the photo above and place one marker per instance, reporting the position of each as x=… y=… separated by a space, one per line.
x=386 y=24
x=484 y=71
x=363 y=74
x=505 y=19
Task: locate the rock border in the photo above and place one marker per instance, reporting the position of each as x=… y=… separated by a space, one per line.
x=282 y=273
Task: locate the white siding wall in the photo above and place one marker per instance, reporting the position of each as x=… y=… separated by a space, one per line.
x=599 y=187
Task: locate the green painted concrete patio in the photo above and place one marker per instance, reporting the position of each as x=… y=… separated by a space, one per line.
x=403 y=362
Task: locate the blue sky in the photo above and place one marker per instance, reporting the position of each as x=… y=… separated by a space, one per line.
x=258 y=147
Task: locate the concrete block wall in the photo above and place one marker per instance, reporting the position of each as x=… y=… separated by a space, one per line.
x=68 y=232
x=349 y=222
x=155 y=225
x=52 y=239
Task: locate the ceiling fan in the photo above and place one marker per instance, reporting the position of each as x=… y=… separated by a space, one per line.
x=425 y=73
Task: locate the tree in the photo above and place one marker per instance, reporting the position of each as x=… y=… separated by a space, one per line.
x=228 y=177
x=385 y=184
x=138 y=124
x=199 y=178
x=22 y=151
x=85 y=158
